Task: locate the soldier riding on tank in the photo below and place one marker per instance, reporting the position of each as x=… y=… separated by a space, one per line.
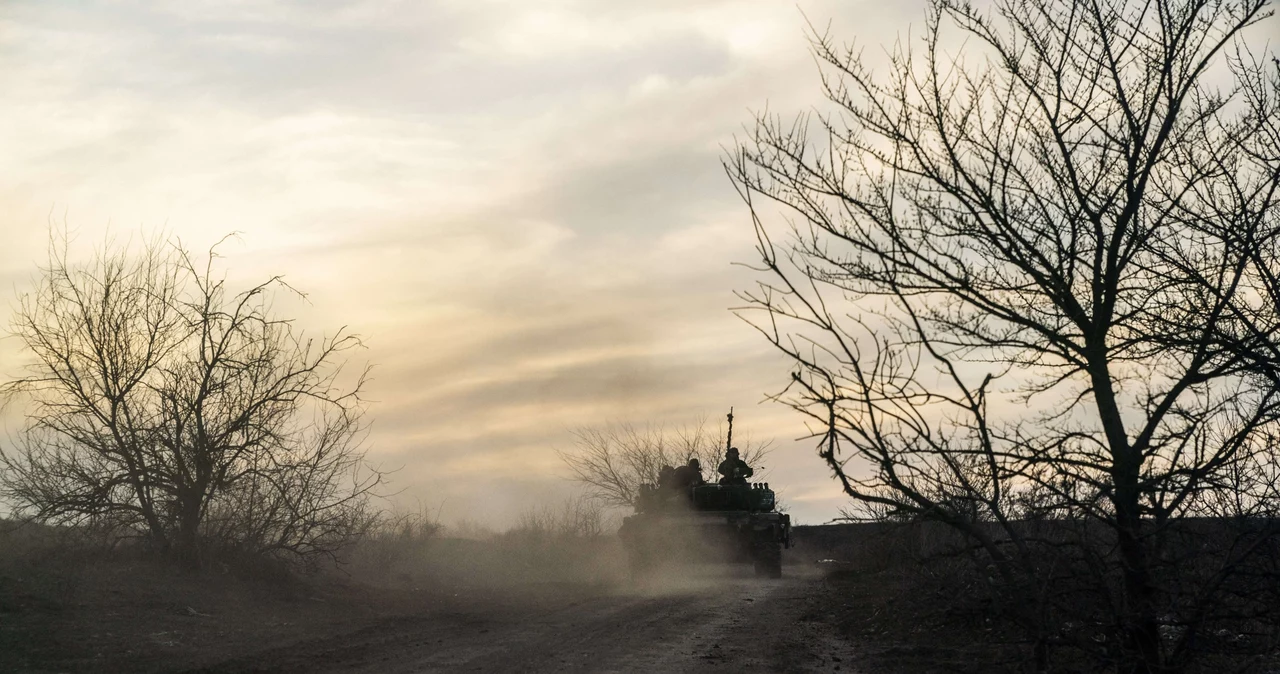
x=666 y=477
x=688 y=476
x=733 y=469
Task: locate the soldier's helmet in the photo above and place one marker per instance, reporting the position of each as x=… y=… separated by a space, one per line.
x=693 y=461
x=733 y=451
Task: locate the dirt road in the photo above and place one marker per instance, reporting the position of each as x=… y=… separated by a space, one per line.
x=697 y=624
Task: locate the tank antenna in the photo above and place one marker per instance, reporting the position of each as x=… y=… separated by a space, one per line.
x=728 y=441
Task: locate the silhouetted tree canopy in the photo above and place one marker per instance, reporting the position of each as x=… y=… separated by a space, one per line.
x=614 y=460
x=162 y=402
x=1031 y=272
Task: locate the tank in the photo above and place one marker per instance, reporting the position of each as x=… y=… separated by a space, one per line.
x=709 y=522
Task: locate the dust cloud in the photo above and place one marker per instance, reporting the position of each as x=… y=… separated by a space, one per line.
x=684 y=560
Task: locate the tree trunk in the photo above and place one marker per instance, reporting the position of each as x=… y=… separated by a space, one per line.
x=1140 y=628
x=187 y=544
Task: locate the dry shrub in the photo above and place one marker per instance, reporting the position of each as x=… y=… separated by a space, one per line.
x=394 y=546
x=469 y=529
x=580 y=517
x=568 y=542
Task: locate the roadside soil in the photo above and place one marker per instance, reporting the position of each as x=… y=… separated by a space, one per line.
x=851 y=600
x=477 y=607
x=704 y=622
x=147 y=618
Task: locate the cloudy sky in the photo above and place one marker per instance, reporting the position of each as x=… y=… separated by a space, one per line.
x=519 y=204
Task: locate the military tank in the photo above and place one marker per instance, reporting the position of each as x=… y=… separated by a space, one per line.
x=716 y=522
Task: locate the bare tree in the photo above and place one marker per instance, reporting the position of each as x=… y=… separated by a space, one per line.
x=1036 y=277
x=578 y=517
x=613 y=461
x=162 y=402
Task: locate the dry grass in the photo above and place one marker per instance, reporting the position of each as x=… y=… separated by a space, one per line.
x=569 y=542
x=77 y=600
x=920 y=603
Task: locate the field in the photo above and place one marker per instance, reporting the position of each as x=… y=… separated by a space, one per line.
x=848 y=603
x=459 y=604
